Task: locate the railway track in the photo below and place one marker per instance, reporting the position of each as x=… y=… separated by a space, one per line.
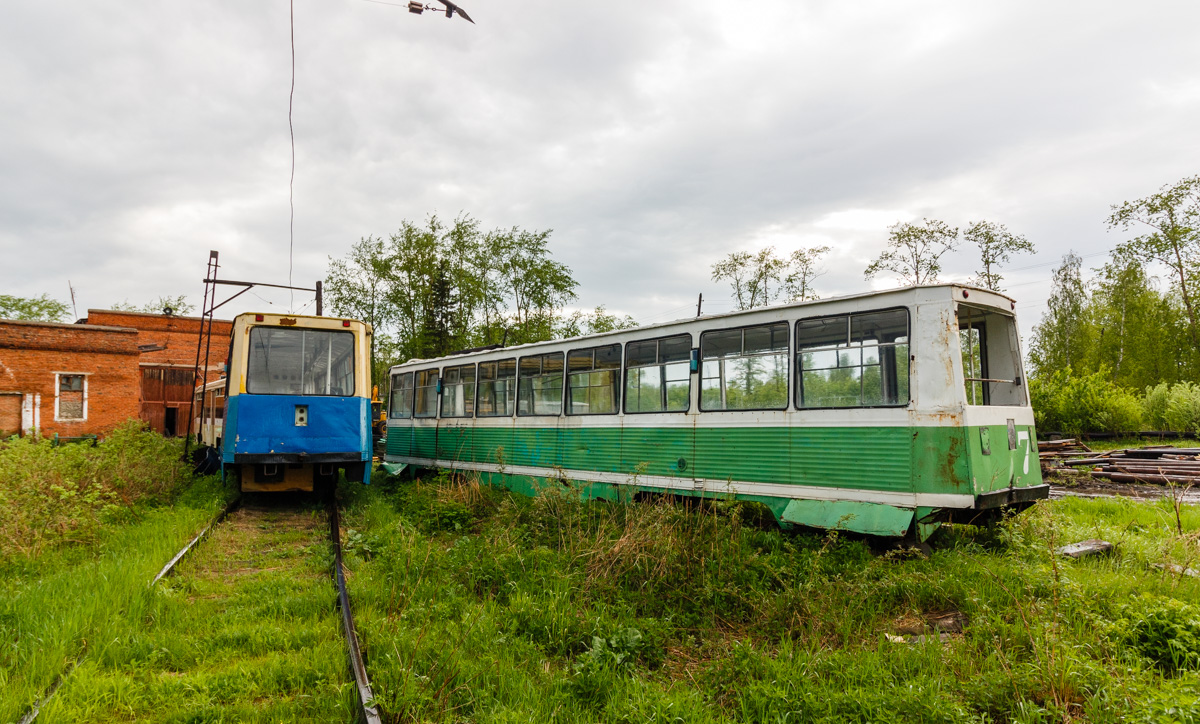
x=220 y=577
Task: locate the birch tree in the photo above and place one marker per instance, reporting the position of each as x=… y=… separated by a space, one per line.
x=914 y=251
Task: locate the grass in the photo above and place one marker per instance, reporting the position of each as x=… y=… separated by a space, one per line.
x=477 y=605
x=246 y=630
x=52 y=496
x=76 y=599
x=1121 y=443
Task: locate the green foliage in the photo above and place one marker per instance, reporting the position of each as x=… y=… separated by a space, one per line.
x=433 y=289
x=1076 y=404
x=556 y=609
x=54 y=494
x=33 y=309
x=1172 y=218
x=177 y=305
x=996 y=245
x=1172 y=407
x=1061 y=338
x=1183 y=408
x=1121 y=324
x=1164 y=630
x=599 y=320
x=73 y=599
x=914 y=251
x=760 y=278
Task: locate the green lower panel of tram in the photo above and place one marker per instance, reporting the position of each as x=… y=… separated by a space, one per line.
x=843 y=477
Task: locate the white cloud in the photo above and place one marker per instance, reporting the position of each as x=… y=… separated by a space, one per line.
x=652 y=138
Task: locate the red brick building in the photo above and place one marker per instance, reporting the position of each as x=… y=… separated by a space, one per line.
x=168 y=357
x=88 y=377
x=66 y=379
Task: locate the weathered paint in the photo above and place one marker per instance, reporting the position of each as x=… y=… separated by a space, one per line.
x=885 y=466
x=869 y=518
x=265 y=424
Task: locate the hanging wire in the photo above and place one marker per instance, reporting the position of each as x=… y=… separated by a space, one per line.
x=292 y=135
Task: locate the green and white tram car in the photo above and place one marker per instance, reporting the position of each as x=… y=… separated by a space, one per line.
x=883 y=413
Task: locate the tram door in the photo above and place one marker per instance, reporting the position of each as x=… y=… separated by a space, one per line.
x=1002 y=449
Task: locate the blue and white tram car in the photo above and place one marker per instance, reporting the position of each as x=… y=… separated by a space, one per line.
x=297 y=402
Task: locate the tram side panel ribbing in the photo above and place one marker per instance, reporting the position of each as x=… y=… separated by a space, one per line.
x=878 y=470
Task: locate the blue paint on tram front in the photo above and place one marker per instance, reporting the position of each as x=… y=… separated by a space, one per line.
x=266 y=425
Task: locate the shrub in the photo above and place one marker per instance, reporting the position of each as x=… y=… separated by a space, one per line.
x=1164 y=630
x=1154 y=406
x=50 y=494
x=1183 y=408
x=1087 y=403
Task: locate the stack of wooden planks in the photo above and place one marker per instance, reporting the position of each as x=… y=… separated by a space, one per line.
x=1054 y=453
x=1159 y=465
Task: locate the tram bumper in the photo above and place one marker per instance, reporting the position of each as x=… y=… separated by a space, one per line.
x=992 y=505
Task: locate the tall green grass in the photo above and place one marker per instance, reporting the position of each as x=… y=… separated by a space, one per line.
x=76 y=600
x=246 y=630
x=475 y=605
x=50 y=494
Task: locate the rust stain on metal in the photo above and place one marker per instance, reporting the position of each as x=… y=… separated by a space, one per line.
x=287 y=321
x=953 y=453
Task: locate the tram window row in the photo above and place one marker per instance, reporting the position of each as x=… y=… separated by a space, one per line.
x=842 y=361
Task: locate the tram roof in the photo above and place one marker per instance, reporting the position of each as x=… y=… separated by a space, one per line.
x=722 y=315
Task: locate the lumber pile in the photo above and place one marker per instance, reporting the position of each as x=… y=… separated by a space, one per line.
x=1158 y=465
x=1054 y=453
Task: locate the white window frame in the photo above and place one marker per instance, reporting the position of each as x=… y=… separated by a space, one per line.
x=57 y=390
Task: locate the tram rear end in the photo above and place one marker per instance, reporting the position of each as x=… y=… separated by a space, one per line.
x=298 y=409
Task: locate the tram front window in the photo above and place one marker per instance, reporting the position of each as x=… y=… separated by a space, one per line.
x=300 y=362
x=991 y=359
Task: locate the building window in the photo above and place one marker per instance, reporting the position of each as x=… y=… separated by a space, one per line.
x=70 y=402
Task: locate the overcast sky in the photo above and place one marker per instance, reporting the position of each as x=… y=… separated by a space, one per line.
x=653 y=137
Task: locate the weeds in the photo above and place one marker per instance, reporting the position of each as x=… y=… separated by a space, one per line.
x=480 y=605
x=52 y=495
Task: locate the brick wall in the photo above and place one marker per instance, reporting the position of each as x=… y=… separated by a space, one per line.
x=31 y=353
x=177 y=334
x=167 y=359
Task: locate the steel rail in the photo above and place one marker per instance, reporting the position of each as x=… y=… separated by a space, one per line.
x=229 y=508
x=36 y=707
x=366 y=699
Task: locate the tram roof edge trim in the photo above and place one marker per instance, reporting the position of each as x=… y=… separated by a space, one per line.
x=975 y=300
x=273 y=317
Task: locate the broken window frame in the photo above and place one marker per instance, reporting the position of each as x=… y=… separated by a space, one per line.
x=82 y=389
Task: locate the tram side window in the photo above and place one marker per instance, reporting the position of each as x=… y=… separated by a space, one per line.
x=540 y=387
x=426 y=397
x=497 y=388
x=402 y=396
x=991 y=360
x=658 y=374
x=593 y=376
x=745 y=369
x=458 y=391
x=854 y=360
x=300 y=362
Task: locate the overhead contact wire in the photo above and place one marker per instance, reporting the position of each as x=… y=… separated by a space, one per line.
x=292 y=136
